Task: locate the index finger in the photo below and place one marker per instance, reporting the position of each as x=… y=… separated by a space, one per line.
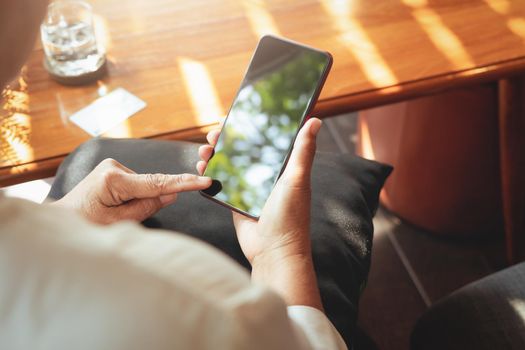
x=155 y=185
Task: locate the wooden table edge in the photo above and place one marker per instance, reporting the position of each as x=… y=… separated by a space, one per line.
x=11 y=175
x=418 y=88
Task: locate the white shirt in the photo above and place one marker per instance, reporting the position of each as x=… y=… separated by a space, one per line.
x=66 y=283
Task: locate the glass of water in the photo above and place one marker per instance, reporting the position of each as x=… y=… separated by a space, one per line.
x=69 y=41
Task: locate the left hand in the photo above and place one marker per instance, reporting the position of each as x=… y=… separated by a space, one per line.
x=283 y=228
x=112 y=192
x=278 y=245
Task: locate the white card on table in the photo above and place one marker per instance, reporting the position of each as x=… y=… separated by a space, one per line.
x=107 y=111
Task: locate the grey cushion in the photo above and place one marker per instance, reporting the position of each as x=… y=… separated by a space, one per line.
x=487 y=314
x=344 y=199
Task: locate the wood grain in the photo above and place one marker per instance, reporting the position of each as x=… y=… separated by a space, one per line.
x=186 y=59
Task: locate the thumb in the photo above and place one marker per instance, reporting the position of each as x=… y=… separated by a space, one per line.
x=300 y=163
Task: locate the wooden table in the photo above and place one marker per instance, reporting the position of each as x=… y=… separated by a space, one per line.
x=186 y=58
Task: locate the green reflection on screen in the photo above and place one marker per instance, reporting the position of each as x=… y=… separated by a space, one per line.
x=263 y=121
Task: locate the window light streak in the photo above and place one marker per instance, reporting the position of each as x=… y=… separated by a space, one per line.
x=354 y=38
x=20 y=169
x=342 y=6
x=260 y=19
x=121 y=130
x=500 y=6
x=442 y=37
x=62 y=110
x=416 y=3
x=18 y=143
x=519 y=308
x=100 y=25
x=201 y=91
x=16 y=100
x=517 y=26
x=366 y=141
x=385 y=197
x=15 y=124
x=137 y=19
x=15 y=130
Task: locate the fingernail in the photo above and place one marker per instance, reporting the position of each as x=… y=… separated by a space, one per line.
x=168 y=198
x=314 y=129
x=204 y=179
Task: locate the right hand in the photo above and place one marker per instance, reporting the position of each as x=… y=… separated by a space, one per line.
x=283 y=229
x=112 y=192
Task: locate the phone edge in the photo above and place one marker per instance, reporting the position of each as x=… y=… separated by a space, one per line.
x=311 y=105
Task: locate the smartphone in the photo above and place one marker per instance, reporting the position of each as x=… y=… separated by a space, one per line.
x=279 y=90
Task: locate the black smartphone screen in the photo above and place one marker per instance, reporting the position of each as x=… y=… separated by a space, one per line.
x=280 y=87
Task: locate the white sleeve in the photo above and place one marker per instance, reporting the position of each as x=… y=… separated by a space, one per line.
x=315 y=328
x=67 y=283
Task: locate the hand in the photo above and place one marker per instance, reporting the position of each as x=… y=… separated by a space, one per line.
x=278 y=244
x=112 y=192
x=283 y=226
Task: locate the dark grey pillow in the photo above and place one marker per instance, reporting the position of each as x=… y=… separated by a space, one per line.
x=345 y=192
x=484 y=315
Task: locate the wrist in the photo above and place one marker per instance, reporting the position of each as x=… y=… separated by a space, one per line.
x=277 y=269
x=276 y=258
x=291 y=275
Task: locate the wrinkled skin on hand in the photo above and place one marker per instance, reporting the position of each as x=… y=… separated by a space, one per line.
x=112 y=192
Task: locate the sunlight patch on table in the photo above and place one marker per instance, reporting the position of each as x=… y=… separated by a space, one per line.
x=203 y=95
x=261 y=21
x=15 y=124
x=344 y=7
x=354 y=38
x=441 y=36
x=500 y=6
x=517 y=26
x=123 y=130
x=24 y=168
x=16 y=137
x=104 y=42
